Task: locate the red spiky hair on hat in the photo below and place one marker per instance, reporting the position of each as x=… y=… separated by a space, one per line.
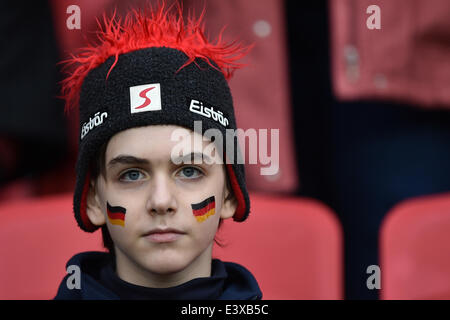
x=149 y=28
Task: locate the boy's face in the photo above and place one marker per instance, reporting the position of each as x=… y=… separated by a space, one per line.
x=157 y=194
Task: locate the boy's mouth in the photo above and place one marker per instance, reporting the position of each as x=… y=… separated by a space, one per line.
x=162 y=235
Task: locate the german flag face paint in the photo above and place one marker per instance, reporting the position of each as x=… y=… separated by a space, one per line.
x=116 y=215
x=204 y=209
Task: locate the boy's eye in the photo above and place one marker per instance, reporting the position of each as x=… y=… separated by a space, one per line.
x=132 y=175
x=190 y=172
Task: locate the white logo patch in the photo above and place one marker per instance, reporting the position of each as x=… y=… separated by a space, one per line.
x=146 y=97
x=208 y=111
x=92 y=123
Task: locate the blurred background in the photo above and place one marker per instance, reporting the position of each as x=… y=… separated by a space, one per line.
x=363 y=114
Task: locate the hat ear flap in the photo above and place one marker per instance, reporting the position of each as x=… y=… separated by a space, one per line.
x=241 y=210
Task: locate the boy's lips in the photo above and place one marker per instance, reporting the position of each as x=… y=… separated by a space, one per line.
x=160 y=235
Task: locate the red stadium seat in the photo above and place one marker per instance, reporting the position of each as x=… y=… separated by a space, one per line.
x=293 y=247
x=38 y=237
x=415 y=249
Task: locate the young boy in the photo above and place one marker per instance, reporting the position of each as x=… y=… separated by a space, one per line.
x=151 y=78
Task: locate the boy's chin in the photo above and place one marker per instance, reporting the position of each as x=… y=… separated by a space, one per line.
x=166 y=264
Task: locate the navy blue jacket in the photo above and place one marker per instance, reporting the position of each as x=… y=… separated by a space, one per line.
x=98 y=281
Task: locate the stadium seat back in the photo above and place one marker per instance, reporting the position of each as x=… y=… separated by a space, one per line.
x=38 y=237
x=415 y=249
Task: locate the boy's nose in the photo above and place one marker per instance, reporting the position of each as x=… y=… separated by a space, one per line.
x=161 y=198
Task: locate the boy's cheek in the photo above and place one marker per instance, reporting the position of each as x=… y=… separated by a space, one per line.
x=206 y=225
x=116 y=214
x=204 y=209
x=122 y=216
x=125 y=236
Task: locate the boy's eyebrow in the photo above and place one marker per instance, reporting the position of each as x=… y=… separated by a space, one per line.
x=127 y=159
x=192 y=157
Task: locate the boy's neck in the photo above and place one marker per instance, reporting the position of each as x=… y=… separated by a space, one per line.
x=133 y=273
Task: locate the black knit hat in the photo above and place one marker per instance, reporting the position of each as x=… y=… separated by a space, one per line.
x=152 y=85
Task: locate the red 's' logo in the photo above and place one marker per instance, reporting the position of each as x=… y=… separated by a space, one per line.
x=145 y=97
x=143 y=94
